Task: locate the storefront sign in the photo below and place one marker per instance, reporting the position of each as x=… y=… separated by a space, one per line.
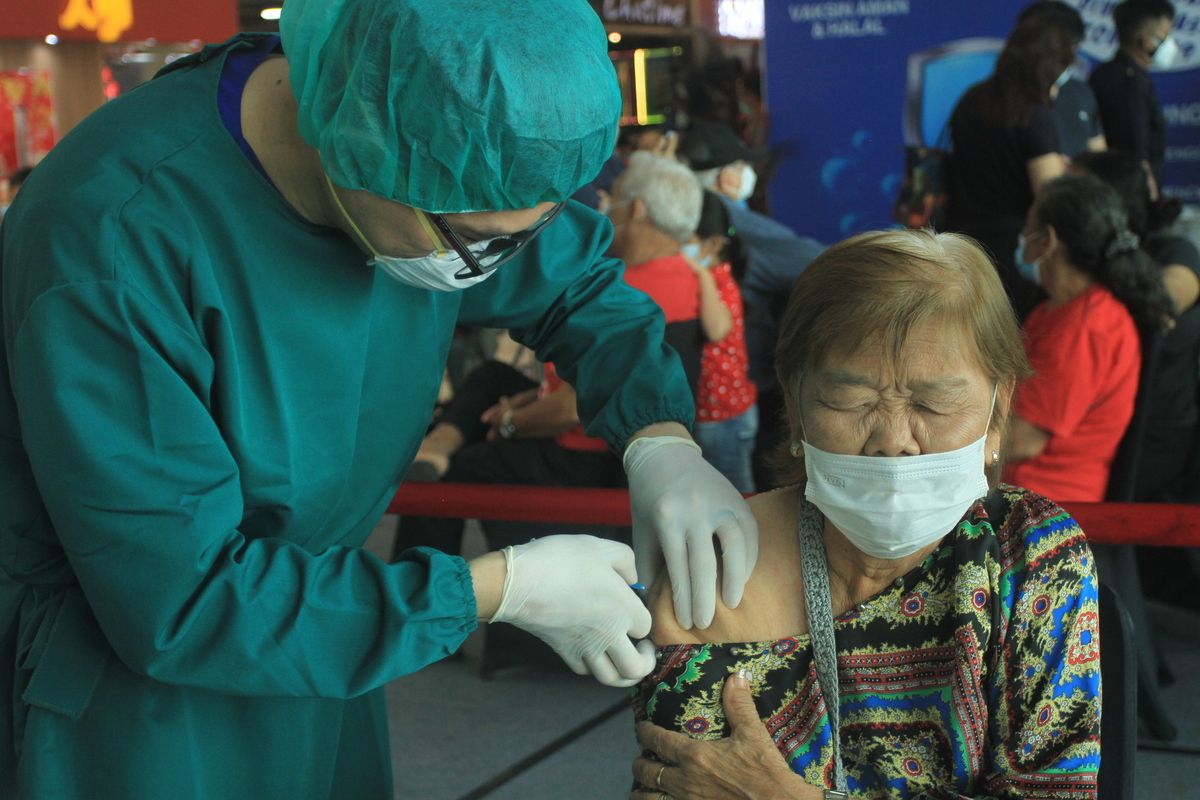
x=672 y=13
x=119 y=20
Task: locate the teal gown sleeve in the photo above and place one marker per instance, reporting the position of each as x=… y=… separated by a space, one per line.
x=144 y=495
x=569 y=303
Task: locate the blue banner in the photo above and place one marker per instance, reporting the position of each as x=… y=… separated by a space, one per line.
x=848 y=83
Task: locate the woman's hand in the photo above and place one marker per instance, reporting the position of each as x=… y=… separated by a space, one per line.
x=495 y=414
x=747 y=765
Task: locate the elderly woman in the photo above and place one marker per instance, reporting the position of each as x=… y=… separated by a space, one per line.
x=928 y=633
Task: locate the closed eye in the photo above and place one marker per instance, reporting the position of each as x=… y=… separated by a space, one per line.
x=926 y=409
x=847 y=407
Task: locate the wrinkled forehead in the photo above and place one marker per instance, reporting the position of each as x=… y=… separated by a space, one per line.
x=932 y=354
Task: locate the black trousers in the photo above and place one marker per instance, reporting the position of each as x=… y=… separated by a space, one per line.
x=538 y=462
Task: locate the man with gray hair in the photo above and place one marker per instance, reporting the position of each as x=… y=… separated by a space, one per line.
x=669 y=194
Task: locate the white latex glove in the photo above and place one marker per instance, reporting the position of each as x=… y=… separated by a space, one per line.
x=679 y=502
x=572 y=592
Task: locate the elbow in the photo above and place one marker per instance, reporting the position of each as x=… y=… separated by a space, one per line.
x=717 y=332
x=1026 y=440
x=1024 y=450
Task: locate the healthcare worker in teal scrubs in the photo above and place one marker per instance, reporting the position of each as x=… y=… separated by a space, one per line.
x=227 y=301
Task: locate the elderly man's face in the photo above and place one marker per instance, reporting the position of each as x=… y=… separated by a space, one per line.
x=932 y=399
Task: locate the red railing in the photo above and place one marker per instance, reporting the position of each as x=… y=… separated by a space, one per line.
x=1104 y=523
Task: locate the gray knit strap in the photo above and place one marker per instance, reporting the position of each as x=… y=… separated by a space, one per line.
x=819 y=608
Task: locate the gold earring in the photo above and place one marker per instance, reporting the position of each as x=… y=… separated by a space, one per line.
x=794 y=449
x=995 y=456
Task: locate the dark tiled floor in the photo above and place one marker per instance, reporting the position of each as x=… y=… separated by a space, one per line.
x=452 y=732
x=1174 y=775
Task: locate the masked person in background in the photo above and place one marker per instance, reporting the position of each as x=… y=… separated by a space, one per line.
x=1129 y=109
x=1083 y=341
x=228 y=300
x=1005 y=142
x=946 y=644
x=774 y=257
x=1075 y=112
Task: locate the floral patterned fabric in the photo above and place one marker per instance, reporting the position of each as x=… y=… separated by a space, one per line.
x=977 y=674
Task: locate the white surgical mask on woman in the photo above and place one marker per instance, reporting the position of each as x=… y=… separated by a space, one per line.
x=435 y=271
x=891 y=507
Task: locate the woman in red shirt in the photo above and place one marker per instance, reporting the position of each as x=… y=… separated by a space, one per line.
x=1082 y=342
x=726 y=409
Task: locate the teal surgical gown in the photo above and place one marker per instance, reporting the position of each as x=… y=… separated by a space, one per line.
x=205 y=405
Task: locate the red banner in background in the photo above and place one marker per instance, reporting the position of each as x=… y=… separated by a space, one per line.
x=26 y=126
x=120 y=20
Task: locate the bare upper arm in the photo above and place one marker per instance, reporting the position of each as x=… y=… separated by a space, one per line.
x=1045 y=168
x=770 y=607
x=1182 y=285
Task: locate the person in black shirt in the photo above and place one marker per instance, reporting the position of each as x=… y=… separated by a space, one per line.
x=1005 y=146
x=1075 y=111
x=1129 y=108
x=1169 y=470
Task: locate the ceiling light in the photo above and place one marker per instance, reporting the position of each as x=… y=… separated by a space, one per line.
x=271 y=14
x=614 y=37
x=52 y=39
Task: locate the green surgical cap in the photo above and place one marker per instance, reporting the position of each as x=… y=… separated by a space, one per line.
x=454 y=105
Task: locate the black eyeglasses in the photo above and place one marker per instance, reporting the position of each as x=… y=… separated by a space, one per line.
x=499 y=251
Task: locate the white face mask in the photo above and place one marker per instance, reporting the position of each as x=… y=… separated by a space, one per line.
x=1165 y=54
x=691 y=250
x=749 y=180
x=435 y=271
x=710 y=179
x=891 y=507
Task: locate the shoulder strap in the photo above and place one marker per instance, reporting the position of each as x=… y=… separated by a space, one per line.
x=819 y=608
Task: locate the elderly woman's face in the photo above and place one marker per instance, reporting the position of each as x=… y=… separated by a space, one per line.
x=932 y=399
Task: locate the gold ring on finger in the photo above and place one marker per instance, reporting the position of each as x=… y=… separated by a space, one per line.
x=658 y=778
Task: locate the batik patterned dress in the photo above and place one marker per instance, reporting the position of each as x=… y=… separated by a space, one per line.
x=977 y=674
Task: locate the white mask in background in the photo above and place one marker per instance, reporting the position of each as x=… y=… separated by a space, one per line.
x=709 y=179
x=434 y=271
x=891 y=507
x=1165 y=54
x=691 y=250
x=749 y=180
